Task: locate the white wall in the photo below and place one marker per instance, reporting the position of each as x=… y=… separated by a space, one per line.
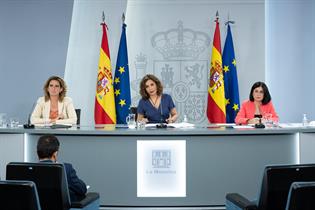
x=290 y=56
x=34 y=38
x=33 y=46
x=84 y=48
x=145 y=20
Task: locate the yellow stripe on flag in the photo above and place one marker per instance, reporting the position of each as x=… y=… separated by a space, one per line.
x=106 y=97
x=216 y=87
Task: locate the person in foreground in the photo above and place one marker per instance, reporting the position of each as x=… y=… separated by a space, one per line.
x=54 y=107
x=155 y=107
x=47 y=151
x=258 y=106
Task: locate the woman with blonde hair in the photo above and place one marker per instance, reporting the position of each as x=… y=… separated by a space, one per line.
x=54 y=107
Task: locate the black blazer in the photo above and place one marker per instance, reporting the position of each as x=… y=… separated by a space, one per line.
x=77 y=188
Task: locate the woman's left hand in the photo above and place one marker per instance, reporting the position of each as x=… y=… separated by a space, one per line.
x=169 y=120
x=61 y=116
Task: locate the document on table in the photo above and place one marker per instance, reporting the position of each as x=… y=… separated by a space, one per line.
x=171 y=125
x=243 y=126
x=51 y=125
x=290 y=125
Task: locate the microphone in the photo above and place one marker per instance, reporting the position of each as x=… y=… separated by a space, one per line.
x=162 y=124
x=28 y=125
x=259 y=125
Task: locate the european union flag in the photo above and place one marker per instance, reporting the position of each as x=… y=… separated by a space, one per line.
x=232 y=99
x=121 y=80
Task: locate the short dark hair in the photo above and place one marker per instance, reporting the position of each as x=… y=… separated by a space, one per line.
x=267 y=97
x=158 y=83
x=47 y=145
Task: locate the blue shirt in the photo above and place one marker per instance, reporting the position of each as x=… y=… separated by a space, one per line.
x=156 y=115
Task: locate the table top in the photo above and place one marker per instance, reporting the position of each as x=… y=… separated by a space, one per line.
x=196 y=130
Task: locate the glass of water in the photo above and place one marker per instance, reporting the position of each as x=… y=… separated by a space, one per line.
x=131 y=121
x=14 y=122
x=3 y=120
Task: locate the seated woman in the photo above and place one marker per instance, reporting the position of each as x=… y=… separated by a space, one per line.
x=258 y=106
x=54 y=107
x=155 y=107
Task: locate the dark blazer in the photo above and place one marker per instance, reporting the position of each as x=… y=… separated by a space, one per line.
x=77 y=188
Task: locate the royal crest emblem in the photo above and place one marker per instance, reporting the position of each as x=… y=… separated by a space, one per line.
x=183 y=74
x=216 y=78
x=103 y=83
x=161 y=158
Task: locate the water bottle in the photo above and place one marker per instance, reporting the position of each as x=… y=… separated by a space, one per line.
x=305 y=120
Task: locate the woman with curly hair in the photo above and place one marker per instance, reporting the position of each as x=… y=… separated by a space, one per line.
x=54 y=106
x=155 y=107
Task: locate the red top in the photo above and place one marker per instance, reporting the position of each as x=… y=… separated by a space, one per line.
x=53 y=114
x=247 y=112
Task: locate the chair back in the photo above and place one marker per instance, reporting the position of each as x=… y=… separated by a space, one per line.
x=50 y=180
x=301 y=196
x=18 y=195
x=78 y=112
x=277 y=181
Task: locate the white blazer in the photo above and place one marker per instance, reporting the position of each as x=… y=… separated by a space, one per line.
x=41 y=111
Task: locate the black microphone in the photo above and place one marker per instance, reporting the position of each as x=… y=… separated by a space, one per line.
x=162 y=124
x=259 y=125
x=28 y=125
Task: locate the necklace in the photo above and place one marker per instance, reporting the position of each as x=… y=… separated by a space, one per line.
x=155 y=101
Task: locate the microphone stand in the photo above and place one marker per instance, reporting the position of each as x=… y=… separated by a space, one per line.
x=162 y=124
x=260 y=124
x=28 y=125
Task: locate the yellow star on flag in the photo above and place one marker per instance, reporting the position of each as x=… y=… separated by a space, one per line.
x=226 y=68
x=234 y=62
x=235 y=107
x=121 y=69
x=122 y=102
x=227 y=101
x=117 y=80
x=117 y=92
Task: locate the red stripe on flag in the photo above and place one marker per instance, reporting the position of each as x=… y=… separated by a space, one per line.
x=100 y=116
x=216 y=98
x=216 y=38
x=105 y=41
x=214 y=113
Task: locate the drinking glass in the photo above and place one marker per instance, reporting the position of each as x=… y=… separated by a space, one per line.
x=3 y=120
x=268 y=120
x=14 y=122
x=131 y=121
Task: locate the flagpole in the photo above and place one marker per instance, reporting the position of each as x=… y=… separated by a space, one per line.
x=123 y=18
x=229 y=21
x=104 y=110
x=216 y=99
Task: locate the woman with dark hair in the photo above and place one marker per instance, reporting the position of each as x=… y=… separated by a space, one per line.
x=155 y=107
x=258 y=106
x=54 y=106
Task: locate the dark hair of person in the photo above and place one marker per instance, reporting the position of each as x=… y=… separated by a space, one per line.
x=267 y=97
x=158 y=83
x=62 y=84
x=47 y=145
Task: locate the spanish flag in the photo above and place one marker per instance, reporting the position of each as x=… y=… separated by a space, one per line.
x=104 y=111
x=216 y=97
